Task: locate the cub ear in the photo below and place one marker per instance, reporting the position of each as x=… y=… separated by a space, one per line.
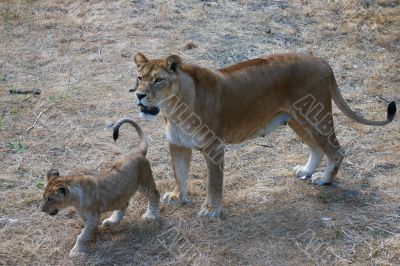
x=174 y=62
x=62 y=190
x=52 y=174
x=140 y=59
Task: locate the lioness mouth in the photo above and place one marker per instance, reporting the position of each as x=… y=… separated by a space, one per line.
x=52 y=213
x=150 y=111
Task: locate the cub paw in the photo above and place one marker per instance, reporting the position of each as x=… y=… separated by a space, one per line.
x=175 y=198
x=107 y=223
x=77 y=252
x=300 y=172
x=320 y=179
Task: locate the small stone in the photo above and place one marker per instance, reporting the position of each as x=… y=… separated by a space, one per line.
x=108 y=124
x=4 y=221
x=190 y=46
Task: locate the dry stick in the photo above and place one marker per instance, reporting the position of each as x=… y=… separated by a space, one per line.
x=265 y=145
x=386 y=231
x=101 y=48
x=337 y=256
x=37 y=119
x=34 y=123
x=344 y=232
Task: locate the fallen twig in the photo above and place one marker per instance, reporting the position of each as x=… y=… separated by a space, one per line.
x=265 y=145
x=100 y=58
x=386 y=231
x=337 y=256
x=34 y=123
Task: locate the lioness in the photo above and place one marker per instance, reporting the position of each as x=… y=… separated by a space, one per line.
x=204 y=109
x=110 y=190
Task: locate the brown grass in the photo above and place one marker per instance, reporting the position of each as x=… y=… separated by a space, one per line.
x=269 y=216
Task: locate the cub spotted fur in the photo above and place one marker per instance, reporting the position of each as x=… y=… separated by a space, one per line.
x=111 y=190
x=205 y=108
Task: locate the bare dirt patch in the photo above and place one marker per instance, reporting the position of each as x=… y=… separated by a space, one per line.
x=79 y=53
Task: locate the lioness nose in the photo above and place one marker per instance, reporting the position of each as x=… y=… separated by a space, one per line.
x=140 y=95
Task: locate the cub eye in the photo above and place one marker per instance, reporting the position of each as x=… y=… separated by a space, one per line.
x=158 y=80
x=50 y=200
x=139 y=77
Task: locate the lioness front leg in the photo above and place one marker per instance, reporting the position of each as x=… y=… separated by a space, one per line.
x=212 y=206
x=91 y=221
x=181 y=157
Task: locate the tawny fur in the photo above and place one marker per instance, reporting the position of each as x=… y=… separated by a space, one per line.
x=111 y=190
x=243 y=101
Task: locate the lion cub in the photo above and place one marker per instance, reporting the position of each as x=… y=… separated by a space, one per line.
x=109 y=190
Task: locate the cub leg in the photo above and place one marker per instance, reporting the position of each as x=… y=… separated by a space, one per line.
x=147 y=186
x=316 y=153
x=181 y=157
x=115 y=218
x=91 y=221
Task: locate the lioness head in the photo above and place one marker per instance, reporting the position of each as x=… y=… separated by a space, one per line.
x=55 y=196
x=156 y=81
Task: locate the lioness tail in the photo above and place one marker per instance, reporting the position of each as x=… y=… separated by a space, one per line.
x=143 y=141
x=341 y=103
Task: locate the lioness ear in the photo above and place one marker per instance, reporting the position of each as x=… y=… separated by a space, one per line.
x=52 y=174
x=174 y=62
x=140 y=59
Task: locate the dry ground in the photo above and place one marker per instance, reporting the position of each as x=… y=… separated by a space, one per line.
x=80 y=54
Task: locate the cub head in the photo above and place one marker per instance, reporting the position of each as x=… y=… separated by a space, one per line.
x=157 y=80
x=55 y=196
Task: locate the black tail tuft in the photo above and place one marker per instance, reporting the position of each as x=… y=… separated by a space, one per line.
x=115 y=133
x=391 y=111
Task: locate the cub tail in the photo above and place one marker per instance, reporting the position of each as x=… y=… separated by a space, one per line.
x=142 y=137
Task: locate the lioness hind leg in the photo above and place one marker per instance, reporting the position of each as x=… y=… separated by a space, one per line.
x=115 y=218
x=335 y=158
x=316 y=153
x=331 y=147
x=323 y=135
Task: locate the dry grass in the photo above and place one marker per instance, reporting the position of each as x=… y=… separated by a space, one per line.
x=270 y=217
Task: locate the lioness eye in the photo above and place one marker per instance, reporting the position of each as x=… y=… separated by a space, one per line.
x=158 y=80
x=139 y=77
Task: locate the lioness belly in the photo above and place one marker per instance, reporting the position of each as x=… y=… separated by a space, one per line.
x=259 y=130
x=277 y=121
x=176 y=135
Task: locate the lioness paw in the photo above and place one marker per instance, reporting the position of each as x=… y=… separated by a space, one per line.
x=320 y=179
x=150 y=215
x=210 y=212
x=174 y=198
x=301 y=172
